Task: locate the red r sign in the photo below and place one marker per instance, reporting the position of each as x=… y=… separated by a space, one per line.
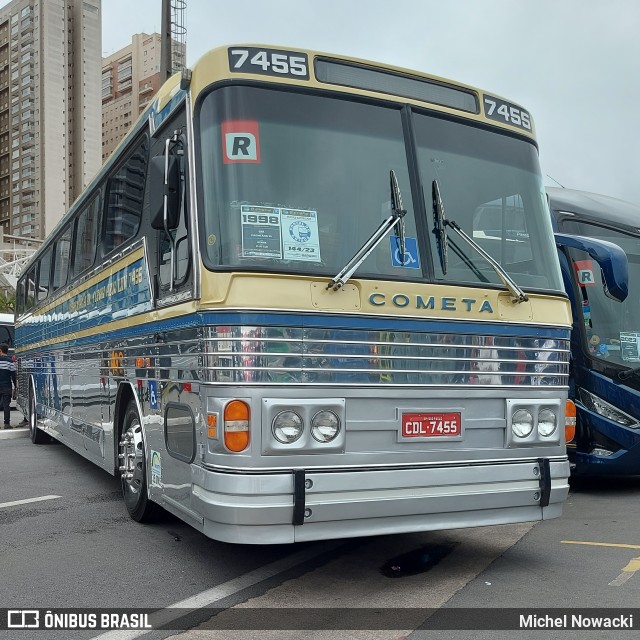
x=240 y=141
x=585 y=272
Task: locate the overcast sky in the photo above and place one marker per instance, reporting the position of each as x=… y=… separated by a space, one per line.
x=574 y=64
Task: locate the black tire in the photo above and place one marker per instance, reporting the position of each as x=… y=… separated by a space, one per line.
x=37 y=435
x=133 y=478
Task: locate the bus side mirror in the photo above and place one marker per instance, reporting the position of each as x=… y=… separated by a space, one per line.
x=164 y=180
x=611 y=258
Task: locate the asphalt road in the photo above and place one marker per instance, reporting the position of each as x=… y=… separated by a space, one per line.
x=67 y=541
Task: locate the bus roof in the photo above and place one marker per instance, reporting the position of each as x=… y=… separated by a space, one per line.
x=596 y=207
x=354 y=75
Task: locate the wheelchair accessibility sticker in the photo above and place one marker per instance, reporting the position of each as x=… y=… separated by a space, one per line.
x=411 y=255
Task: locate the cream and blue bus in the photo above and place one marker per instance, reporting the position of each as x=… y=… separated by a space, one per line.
x=276 y=313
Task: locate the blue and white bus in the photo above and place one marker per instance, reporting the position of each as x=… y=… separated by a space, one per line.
x=605 y=341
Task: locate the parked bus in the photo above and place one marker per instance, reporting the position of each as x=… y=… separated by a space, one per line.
x=271 y=312
x=7 y=330
x=605 y=342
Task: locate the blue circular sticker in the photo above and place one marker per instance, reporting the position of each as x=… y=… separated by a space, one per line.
x=300 y=231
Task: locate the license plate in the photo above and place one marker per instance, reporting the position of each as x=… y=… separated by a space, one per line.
x=431 y=425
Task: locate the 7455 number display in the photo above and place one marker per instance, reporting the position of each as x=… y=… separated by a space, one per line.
x=269 y=62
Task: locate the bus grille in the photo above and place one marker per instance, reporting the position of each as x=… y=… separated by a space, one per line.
x=285 y=355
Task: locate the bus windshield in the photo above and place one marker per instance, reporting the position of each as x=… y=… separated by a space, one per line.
x=611 y=328
x=490 y=186
x=297 y=183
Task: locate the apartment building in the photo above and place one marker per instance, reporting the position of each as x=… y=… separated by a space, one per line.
x=130 y=79
x=50 y=120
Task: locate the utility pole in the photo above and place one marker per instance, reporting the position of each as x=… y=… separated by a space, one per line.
x=165 y=41
x=173 y=38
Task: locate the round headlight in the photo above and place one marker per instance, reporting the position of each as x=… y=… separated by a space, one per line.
x=287 y=427
x=547 y=422
x=325 y=426
x=522 y=423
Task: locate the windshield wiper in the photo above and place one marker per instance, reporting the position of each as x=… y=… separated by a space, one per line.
x=441 y=222
x=439 y=225
x=395 y=220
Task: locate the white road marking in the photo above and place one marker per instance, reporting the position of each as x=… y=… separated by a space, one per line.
x=27 y=501
x=627 y=572
x=206 y=598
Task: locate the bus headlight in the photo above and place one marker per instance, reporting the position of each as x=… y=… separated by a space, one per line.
x=325 y=426
x=287 y=427
x=606 y=410
x=522 y=423
x=547 y=422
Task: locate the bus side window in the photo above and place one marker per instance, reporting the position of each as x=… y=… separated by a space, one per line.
x=85 y=238
x=20 y=297
x=30 y=289
x=124 y=198
x=61 y=253
x=174 y=240
x=44 y=275
x=179 y=237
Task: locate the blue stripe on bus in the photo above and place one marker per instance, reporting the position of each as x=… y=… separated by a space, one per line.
x=234 y=318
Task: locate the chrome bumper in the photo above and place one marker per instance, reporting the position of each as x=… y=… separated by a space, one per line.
x=303 y=505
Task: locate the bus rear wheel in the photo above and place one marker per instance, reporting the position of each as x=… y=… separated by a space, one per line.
x=133 y=467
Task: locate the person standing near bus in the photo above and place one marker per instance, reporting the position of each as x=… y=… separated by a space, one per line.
x=8 y=382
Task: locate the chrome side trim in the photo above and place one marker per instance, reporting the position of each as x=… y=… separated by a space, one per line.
x=336 y=468
x=174 y=505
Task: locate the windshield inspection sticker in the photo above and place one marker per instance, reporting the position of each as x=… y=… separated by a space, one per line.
x=300 y=239
x=630 y=346
x=260 y=232
x=411 y=256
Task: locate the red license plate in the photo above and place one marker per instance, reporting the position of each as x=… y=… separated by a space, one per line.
x=431 y=425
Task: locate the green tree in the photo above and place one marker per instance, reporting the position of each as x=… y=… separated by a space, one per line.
x=7 y=302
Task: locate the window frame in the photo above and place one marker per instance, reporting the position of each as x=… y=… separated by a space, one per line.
x=94 y=200
x=136 y=144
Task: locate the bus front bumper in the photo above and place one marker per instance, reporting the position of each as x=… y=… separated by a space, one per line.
x=303 y=505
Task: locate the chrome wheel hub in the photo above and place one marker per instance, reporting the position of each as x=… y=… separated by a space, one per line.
x=131 y=461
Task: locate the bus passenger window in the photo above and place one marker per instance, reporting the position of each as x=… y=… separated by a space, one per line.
x=61 y=261
x=125 y=195
x=176 y=240
x=86 y=236
x=20 y=297
x=31 y=289
x=43 y=275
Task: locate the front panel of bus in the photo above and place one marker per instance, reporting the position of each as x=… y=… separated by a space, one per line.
x=421 y=370
x=606 y=354
x=217 y=359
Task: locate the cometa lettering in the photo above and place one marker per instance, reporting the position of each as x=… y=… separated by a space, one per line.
x=403 y=301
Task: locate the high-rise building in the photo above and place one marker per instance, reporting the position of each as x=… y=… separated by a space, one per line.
x=130 y=79
x=50 y=124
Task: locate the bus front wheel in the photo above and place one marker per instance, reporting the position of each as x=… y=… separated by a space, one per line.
x=133 y=467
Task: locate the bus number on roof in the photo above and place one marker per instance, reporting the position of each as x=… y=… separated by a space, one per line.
x=269 y=62
x=497 y=109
